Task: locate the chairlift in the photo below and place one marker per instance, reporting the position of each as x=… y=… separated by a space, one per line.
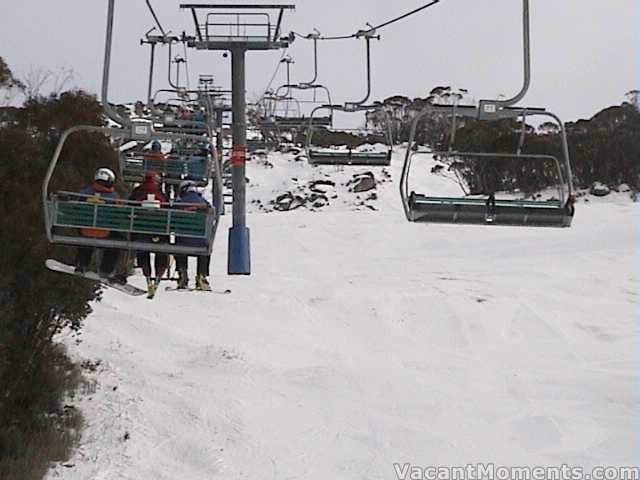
x=175 y=168
x=65 y=213
x=488 y=202
x=303 y=121
x=317 y=156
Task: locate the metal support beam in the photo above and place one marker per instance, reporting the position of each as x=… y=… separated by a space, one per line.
x=151 y=70
x=239 y=258
x=219 y=156
x=221 y=6
x=526 y=45
x=195 y=21
x=111 y=113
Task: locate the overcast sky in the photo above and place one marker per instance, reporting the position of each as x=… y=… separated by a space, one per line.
x=585 y=52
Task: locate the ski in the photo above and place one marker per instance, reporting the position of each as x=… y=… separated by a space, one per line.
x=191 y=289
x=127 y=288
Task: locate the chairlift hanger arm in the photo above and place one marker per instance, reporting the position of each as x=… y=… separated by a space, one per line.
x=177 y=61
x=315 y=36
x=367 y=38
x=526 y=43
x=111 y=113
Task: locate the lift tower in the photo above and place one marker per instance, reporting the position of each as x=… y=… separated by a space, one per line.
x=237 y=29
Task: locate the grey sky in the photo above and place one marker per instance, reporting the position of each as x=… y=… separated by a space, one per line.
x=585 y=52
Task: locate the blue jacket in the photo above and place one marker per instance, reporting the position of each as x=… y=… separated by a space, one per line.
x=192 y=198
x=95 y=189
x=98 y=194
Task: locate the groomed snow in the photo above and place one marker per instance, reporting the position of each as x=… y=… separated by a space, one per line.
x=361 y=340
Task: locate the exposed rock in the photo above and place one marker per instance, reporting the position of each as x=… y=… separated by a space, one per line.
x=314 y=186
x=288 y=201
x=362 y=182
x=600 y=190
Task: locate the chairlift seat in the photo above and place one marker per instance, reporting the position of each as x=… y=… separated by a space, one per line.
x=338 y=157
x=191 y=130
x=480 y=211
x=173 y=170
x=254 y=145
x=295 y=122
x=67 y=211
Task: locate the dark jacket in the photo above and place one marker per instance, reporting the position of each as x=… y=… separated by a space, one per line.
x=198 y=204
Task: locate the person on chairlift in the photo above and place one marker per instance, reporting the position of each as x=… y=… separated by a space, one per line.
x=156 y=152
x=191 y=200
x=100 y=191
x=150 y=195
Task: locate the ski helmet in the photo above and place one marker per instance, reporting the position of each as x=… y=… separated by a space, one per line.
x=105 y=175
x=187 y=186
x=156 y=146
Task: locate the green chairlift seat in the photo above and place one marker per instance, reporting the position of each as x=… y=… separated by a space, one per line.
x=133 y=225
x=491 y=209
x=69 y=212
x=349 y=157
x=173 y=170
x=479 y=211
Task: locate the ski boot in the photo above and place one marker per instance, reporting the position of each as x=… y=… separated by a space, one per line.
x=183 y=280
x=152 y=286
x=202 y=283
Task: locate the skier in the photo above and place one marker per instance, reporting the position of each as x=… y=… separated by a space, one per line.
x=156 y=152
x=191 y=200
x=150 y=194
x=100 y=191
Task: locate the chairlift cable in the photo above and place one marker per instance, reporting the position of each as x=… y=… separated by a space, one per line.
x=377 y=27
x=275 y=73
x=406 y=15
x=155 y=17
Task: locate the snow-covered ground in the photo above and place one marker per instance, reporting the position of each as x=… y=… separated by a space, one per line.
x=361 y=340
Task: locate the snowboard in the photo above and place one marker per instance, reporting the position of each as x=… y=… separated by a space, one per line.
x=68 y=269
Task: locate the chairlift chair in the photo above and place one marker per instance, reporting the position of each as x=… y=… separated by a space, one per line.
x=482 y=206
x=316 y=156
x=302 y=121
x=67 y=212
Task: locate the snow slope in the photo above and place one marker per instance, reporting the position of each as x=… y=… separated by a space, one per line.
x=362 y=340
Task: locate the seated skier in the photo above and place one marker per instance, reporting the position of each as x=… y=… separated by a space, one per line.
x=191 y=200
x=150 y=194
x=100 y=191
x=156 y=152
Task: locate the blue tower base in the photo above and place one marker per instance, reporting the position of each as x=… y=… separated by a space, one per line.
x=239 y=257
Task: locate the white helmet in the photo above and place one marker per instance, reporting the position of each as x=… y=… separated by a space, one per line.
x=187 y=186
x=105 y=175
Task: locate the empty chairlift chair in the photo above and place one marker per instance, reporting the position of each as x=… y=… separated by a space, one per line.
x=511 y=189
x=351 y=157
x=489 y=182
